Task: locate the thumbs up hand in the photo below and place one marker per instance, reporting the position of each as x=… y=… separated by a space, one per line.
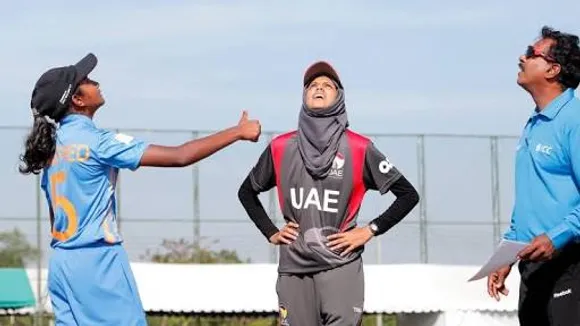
x=249 y=129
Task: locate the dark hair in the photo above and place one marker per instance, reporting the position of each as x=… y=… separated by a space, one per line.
x=566 y=52
x=40 y=146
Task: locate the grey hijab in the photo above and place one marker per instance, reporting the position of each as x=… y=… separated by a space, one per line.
x=319 y=135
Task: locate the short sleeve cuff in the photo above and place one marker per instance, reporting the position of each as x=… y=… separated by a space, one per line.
x=140 y=149
x=387 y=185
x=509 y=235
x=560 y=235
x=255 y=185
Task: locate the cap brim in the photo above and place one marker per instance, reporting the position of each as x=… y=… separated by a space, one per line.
x=321 y=68
x=85 y=66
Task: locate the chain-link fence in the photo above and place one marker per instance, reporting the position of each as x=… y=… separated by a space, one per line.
x=465 y=184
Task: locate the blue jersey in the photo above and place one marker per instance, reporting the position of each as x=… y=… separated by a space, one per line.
x=80 y=182
x=547 y=174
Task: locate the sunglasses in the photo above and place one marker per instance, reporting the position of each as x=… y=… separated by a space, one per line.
x=532 y=52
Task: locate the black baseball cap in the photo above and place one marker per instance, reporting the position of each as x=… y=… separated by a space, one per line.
x=321 y=68
x=54 y=89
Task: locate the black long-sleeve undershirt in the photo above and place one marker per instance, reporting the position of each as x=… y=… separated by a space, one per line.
x=406 y=199
x=253 y=206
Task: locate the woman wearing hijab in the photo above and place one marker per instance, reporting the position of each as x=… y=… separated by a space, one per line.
x=322 y=171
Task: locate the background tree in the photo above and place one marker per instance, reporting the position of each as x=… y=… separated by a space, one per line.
x=15 y=250
x=184 y=252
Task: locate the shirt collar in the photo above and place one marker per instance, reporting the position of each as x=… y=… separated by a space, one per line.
x=557 y=104
x=76 y=118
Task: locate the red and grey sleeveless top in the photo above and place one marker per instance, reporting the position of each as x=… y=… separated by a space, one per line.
x=321 y=207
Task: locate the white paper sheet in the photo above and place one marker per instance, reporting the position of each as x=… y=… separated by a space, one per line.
x=505 y=254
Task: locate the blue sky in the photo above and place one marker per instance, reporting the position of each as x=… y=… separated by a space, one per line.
x=412 y=67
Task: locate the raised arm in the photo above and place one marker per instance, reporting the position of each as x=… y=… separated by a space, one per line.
x=126 y=152
x=198 y=149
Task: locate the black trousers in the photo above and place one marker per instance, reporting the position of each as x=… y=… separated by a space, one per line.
x=550 y=291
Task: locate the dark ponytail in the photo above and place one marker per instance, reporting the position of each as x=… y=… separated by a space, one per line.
x=40 y=146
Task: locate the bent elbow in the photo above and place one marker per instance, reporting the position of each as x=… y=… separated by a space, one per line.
x=242 y=194
x=414 y=198
x=180 y=162
x=181 y=159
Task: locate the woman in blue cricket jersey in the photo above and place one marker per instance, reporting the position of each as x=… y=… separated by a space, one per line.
x=90 y=280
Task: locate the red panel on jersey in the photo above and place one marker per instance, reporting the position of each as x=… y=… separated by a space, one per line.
x=358 y=145
x=278 y=149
